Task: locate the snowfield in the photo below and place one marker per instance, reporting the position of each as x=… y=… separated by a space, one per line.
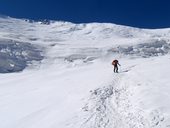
x=59 y=75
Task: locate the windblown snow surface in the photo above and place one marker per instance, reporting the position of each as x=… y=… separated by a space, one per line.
x=59 y=75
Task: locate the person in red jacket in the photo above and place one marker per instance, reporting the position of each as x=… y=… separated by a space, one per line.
x=115 y=63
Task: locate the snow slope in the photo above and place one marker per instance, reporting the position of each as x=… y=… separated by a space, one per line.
x=59 y=75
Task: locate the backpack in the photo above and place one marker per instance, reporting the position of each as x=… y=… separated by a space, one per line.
x=114 y=62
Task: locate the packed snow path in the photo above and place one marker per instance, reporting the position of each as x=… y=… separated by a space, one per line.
x=109 y=107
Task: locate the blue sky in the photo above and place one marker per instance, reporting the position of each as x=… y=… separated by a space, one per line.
x=137 y=13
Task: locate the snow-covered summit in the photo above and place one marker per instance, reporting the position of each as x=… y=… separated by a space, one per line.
x=91 y=30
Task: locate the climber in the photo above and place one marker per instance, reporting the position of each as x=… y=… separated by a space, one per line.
x=115 y=63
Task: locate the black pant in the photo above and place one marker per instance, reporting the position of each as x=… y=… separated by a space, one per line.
x=116 y=68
